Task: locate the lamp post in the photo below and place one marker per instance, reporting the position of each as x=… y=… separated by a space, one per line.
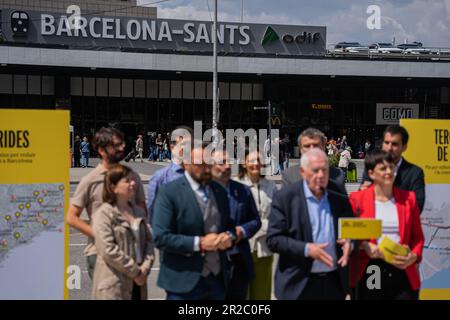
x=214 y=39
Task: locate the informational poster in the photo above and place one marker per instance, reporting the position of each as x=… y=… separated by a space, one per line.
x=34 y=186
x=429 y=148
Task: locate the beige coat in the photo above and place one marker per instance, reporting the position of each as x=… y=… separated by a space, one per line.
x=116 y=265
x=262 y=195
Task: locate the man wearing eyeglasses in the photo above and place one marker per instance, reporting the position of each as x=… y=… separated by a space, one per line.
x=109 y=144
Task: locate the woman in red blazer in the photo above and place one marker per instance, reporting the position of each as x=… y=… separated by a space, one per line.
x=400 y=217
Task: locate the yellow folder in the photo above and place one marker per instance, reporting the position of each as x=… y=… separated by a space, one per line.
x=359 y=228
x=391 y=248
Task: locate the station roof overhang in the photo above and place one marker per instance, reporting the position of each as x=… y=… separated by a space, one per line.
x=193 y=64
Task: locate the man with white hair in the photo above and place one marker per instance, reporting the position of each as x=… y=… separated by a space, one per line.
x=303 y=231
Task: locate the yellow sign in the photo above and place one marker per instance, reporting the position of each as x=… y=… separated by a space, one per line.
x=429 y=148
x=34 y=160
x=359 y=229
x=322 y=106
x=391 y=248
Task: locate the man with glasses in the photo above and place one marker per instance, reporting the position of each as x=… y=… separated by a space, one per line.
x=109 y=144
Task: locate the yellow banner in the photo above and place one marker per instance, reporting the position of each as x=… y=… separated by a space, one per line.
x=34 y=192
x=429 y=148
x=359 y=229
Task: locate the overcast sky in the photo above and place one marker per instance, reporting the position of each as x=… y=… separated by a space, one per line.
x=427 y=21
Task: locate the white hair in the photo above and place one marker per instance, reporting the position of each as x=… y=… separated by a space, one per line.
x=312 y=153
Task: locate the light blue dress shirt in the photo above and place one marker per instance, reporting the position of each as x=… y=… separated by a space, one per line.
x=322 y=227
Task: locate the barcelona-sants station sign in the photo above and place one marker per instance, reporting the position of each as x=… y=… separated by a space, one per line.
x=160 y=34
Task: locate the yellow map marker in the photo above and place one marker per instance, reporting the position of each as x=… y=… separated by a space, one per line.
x=61 y=188
x=40 y=200
x=21 y=206
x=17 y=235
x=28 y=205
x=8 y=217
x=17 y=214
x=45 y=222
x=36 y=193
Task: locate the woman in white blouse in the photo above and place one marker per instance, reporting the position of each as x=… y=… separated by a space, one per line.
x=400 y=216
x=262 y=190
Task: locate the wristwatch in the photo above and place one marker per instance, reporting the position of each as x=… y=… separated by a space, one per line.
x=233 y=237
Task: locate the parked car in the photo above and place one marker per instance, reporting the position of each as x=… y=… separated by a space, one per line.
x=351 y=47
x=384 y=48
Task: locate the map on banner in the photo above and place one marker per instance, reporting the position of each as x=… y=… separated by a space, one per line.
x=31 y=237
x=435 y=267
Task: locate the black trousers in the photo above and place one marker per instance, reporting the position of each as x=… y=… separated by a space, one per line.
x=323 y=286
x=240 y=280
x=394 y=283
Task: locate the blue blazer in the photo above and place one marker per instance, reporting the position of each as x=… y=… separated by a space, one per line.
x=290 y=230
x=243 y=213
x=177 y=219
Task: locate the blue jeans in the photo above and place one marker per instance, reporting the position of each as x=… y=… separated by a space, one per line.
x=209 y=288
x=85 y=159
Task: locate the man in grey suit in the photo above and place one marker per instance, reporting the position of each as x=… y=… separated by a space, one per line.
x=309 y=139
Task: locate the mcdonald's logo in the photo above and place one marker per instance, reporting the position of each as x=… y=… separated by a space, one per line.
x=275 y=121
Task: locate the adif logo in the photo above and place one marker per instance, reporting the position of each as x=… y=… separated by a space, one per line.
x=374 y=20
x=20 y=23
x=269 y=36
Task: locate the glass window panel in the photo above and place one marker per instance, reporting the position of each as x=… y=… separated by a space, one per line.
x=235 y=91
x=224 y=90
x=247 y=91
x=258 y=93
x=102 y=87
x=127 y=88
x=164 y=89
x=188 y=89
x=200 y=90
x=152 y=88
x=76 y=86
x=34 y=85
x=114 y=87
x=89 y=87
x=20 y=84
x=176 y=89
x=139 y=88
x=48 y=85
x=209 y=90
x=5 y=83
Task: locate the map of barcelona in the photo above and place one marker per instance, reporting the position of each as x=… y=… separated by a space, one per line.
x=26 y=211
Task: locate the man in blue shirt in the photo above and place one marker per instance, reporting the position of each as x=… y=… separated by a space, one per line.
x=245 y=217
x=182 y=135
x=303 y=230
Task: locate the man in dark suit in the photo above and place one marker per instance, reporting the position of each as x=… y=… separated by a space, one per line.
x=309 y=139
x=407 y=175
x=244 y=215
x=191 y=227
x=303 y=230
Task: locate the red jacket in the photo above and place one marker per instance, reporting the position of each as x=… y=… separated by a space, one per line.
x=409 y=227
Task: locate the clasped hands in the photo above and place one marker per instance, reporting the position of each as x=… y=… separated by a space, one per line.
x=216 y=241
